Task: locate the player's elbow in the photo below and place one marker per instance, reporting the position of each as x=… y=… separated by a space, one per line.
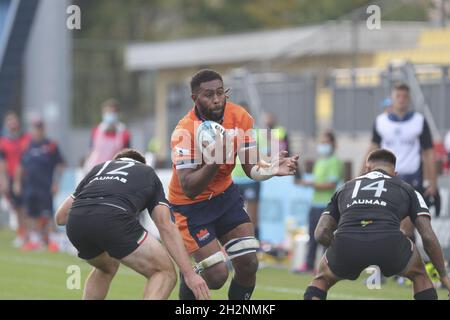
x=60 y=220
x=318 y=237
x=167 y=231
x=321 y=235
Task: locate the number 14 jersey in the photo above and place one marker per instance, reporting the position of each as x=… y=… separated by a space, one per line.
x=375 y=202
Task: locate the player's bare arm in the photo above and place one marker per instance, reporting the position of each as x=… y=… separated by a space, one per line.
x=324 y=232
x=174 y=244
x=281 y=166
x=62 y=214
x=195 y=181
x=432 y=248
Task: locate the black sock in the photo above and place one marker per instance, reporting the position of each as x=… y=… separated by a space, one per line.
x=185 y=293
x=429 y=294
x=314 y=292
x=238 y=292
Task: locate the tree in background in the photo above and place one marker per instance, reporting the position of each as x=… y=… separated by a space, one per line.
x=109 y=25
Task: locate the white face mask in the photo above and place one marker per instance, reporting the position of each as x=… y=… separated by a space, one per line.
x=324 y=149
x=110 y=118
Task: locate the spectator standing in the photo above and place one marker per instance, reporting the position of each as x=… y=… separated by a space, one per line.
x=327 y=174
x=406 y=133
x=37 y=180
x=12 y=144
x=109 y=137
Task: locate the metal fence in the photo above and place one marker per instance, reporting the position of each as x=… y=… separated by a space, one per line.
x=291 y=98
x=356 y=102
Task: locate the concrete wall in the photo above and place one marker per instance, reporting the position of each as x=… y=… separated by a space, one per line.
x=48 y=71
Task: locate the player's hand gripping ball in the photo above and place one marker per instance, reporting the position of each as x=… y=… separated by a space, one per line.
x=206 y=135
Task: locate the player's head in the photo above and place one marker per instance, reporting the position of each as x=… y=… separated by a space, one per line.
x=110 y=109
x=130 y=153
x=381 y=159
x=327 y=144
x=208 y=94
x=400 y=97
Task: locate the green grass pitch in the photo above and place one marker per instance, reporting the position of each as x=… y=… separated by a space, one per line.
x=42 y=275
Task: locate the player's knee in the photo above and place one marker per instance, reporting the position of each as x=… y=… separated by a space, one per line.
x=216 y=276
x=416 y=273
x=217 y=281
x=108 y=269
x=242 y=251
x=246 y=264
x=170 y=277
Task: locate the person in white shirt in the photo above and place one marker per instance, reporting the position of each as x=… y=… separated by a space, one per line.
x=406 y=133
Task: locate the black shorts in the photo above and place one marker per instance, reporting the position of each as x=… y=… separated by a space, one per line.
x=202 y=222
x=349 y=254
x=250 y=191
x=38 y=204
x=96 y=229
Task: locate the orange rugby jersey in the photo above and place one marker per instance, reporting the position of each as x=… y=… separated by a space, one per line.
x=185 y=153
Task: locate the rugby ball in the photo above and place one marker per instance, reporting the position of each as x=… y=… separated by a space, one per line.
x=206 y=134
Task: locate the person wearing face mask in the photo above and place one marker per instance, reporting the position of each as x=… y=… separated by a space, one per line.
x=13 y=142
x=327 y=173
x=108 y=138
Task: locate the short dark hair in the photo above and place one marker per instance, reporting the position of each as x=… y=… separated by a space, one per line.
x=111 y=103
x=330 y=135
x=382 y=155
x=204 y=75
x=130 y=153
x=401 y=87
x=10 y=113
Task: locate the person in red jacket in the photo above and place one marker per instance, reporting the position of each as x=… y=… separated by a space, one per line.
x=109 y=137
x=12 y=145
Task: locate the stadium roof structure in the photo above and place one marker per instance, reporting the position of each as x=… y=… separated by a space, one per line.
x=292 y=43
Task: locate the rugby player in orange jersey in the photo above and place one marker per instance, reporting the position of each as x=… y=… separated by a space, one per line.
x=206 y=205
